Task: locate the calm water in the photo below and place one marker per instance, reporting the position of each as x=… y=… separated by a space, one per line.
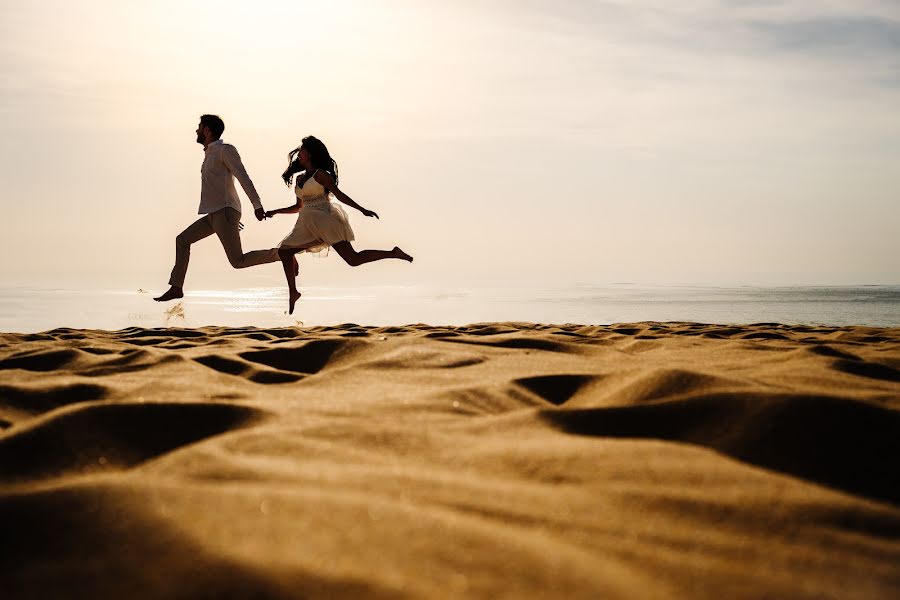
x=29 y=309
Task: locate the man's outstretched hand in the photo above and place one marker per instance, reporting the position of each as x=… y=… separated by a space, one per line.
x=260 y=214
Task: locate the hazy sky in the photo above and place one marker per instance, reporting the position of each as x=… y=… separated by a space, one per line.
x=530 y=141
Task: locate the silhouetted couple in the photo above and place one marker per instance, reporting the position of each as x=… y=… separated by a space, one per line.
x=320 y=223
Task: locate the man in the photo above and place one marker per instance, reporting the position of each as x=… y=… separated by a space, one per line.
x=220 y=205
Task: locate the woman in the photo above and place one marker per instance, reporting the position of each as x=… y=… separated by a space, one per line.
x=320 y=223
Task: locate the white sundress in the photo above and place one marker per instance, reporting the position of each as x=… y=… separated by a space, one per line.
x=320 y=223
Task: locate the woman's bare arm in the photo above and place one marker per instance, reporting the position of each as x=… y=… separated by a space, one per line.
x=327 y=182
x=286 y=210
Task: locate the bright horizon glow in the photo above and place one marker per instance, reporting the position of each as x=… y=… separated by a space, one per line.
x=525 y=142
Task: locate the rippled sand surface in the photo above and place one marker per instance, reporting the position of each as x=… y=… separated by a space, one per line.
x=493 y=460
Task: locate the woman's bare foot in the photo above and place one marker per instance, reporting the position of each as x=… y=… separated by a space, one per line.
x=292 y=299
x=398 y=253
x=173 y=293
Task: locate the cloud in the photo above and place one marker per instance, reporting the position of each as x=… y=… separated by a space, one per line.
x=749 y=26
x=855 y=35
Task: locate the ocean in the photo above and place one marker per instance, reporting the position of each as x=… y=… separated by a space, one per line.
x=34 y=309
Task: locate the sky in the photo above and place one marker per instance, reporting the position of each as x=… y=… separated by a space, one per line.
x=530 y=142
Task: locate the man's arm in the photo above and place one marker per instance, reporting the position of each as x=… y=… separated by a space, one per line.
x=232 y=160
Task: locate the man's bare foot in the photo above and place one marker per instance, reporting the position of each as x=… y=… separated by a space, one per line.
x=292 y=298
x=173 y=293
x=398 y=253
x=296 y=267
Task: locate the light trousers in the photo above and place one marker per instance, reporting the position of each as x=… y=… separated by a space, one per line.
x=225 y=223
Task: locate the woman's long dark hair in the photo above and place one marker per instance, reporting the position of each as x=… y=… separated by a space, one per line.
x=318 y=156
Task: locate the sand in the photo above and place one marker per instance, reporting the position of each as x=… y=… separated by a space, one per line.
x=510 y=460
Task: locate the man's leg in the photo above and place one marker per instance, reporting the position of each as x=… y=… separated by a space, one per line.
x=195 y=232
x=226 y=224
x=201 y=228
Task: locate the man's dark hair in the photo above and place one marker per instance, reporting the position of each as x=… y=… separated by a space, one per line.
x=215 y=124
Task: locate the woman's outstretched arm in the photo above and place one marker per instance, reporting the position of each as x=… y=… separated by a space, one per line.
x=327 y=182
x=285 y=210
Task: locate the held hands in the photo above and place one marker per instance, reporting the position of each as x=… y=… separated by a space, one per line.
x=270 y=214
x=261 y=214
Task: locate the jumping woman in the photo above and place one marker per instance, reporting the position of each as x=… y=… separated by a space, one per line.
x=320 y=222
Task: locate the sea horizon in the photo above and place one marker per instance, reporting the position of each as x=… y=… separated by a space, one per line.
x=31 y=309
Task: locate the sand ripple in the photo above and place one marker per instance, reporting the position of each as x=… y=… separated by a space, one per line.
x=650 y=460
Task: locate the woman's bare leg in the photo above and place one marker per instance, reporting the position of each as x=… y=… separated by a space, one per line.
x=354 y=258
x=291 y=269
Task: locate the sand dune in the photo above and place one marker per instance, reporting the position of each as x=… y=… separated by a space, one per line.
x=495 y=460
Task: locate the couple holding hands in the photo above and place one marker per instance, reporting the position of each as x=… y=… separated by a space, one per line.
x=320 y=223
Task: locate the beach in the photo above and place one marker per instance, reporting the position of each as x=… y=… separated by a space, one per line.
x=645 y=460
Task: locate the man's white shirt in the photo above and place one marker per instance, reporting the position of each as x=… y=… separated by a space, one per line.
x=221 y=166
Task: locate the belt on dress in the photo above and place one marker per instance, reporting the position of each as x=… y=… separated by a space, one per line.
x=320 y=201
